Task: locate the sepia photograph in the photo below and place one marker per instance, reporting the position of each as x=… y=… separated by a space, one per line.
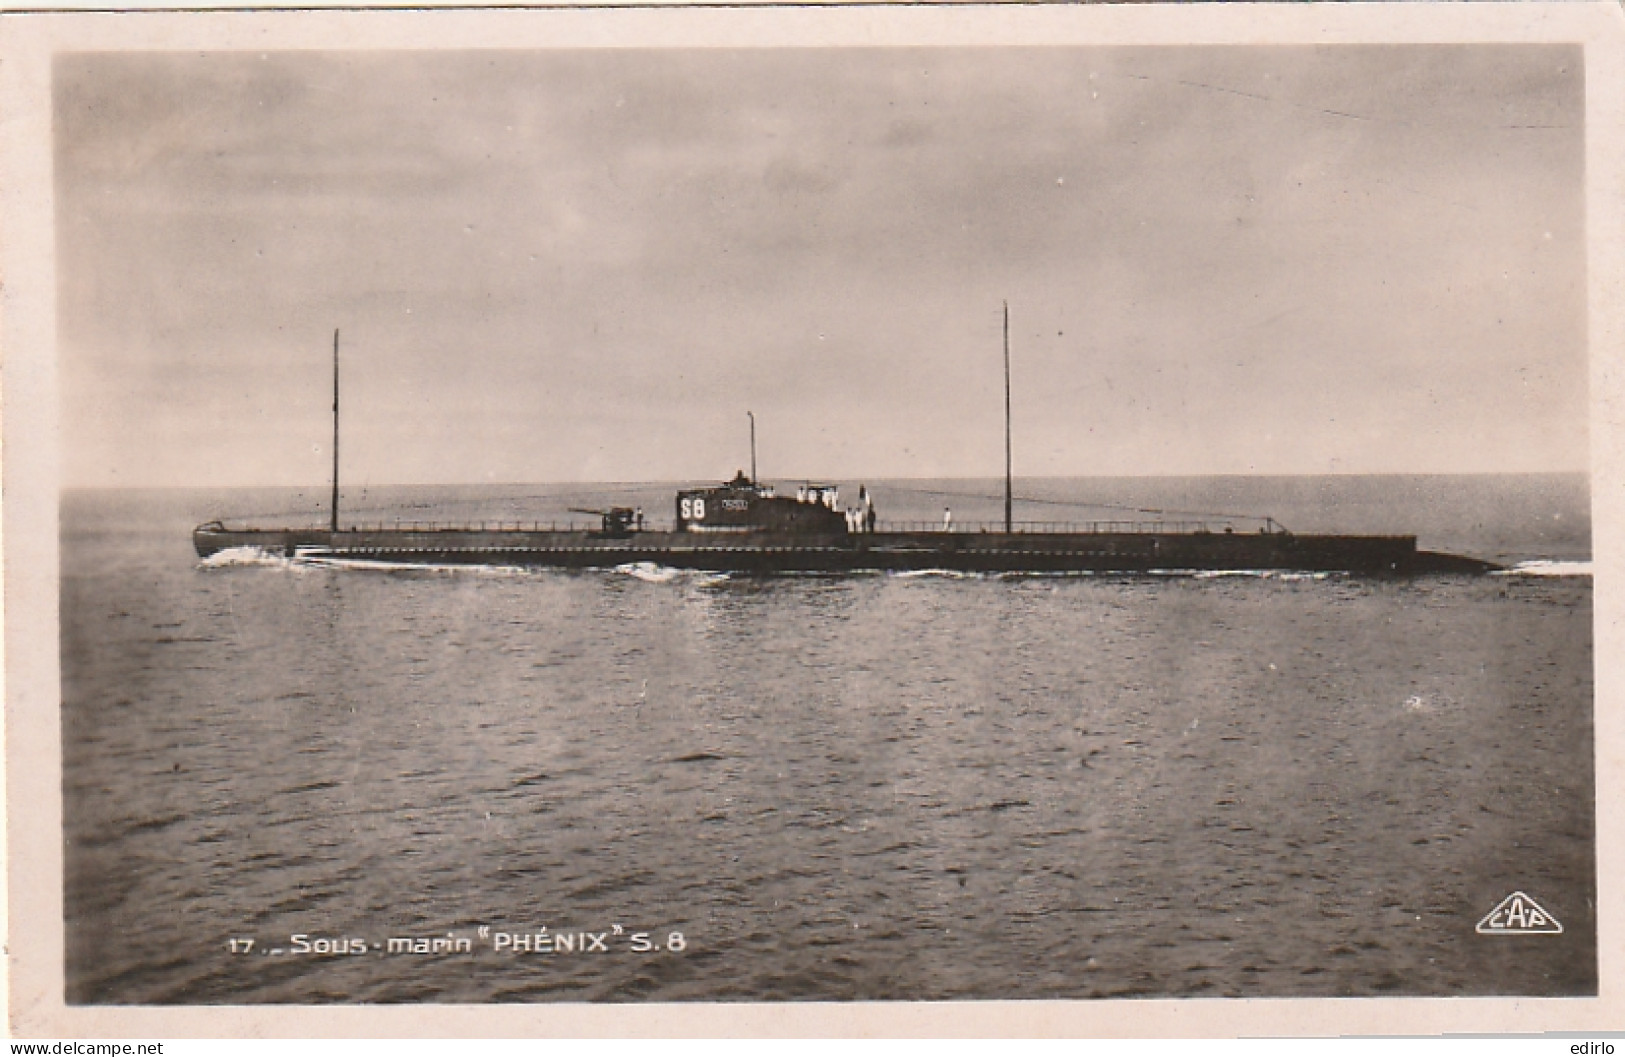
x=713 y=521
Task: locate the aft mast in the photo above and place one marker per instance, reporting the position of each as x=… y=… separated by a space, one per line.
x=334 y=526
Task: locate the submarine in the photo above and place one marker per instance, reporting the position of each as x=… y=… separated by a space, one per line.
x=745 y=526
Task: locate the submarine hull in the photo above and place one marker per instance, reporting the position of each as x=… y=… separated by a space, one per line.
x=765 y=552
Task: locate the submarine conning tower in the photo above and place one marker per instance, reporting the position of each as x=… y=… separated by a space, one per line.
x=744 y=505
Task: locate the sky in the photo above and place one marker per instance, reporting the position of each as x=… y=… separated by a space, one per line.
x=588 y=265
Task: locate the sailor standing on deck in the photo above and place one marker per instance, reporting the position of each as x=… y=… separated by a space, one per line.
x=947 y=520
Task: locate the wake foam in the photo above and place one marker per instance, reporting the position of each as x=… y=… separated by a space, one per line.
x=650 y=572
x=318 y=558
x=1547 y=567
x=330 y=561
x=238 y=556
x=654 y=573
x=1285 y=575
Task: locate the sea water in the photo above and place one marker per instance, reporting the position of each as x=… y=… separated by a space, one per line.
x=286 y=782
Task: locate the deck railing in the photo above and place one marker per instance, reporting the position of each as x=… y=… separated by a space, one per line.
x=439 y=526
x=1040 y=527
x=479 y=526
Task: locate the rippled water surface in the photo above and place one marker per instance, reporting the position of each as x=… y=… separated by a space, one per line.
x=875 y=787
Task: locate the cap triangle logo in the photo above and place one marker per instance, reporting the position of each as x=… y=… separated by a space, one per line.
x=1519 y=915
